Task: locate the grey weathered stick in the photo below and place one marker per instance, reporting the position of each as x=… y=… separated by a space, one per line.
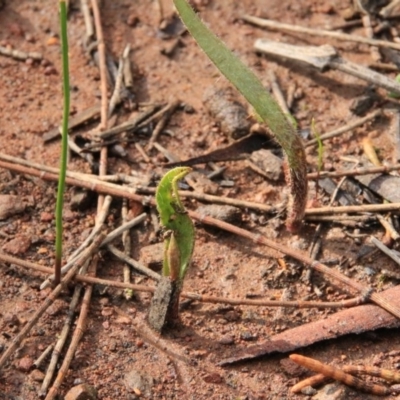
x=74 y=121
x=136 y=265
x=43 y=356
x=346 y=128
x=126 y=242
x=119 y=85
x=277 y=92
x=324 y=57
x=128 y=78
x=126 y=226
x=128 y=125
x=266 y=23
x=88 y=20
x=385 y=250
x=387 y=10
x=168 y=110
x=20 y=55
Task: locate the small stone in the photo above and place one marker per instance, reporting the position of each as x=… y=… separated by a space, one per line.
x=80 y=200
x=107 y=311
x=138 y=382
x=10 y=205
x=222 y=212
x=69 y=215
x=17 y=246
x=25 y=364
x=268 y=163
x=226 y=340
x=57 y=307
x=152 y=256
x=248 y=336
x=291 y=368
x=81 y=392
x=337 y=390
x=309 y=391
x=37 y=375
x=213 y=378
x=52 y=41
x=50 y=70
x=46 y=216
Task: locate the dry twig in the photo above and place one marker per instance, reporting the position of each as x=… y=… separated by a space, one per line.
x=318 y=32
x=258 y=239
x=49 y=300
x=20 y=55
x=188 y=295
x=339 y=375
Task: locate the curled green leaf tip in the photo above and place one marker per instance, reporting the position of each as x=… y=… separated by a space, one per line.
x=179 y=228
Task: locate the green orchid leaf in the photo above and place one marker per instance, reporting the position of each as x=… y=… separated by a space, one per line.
x=264 y=105
x=179 y=228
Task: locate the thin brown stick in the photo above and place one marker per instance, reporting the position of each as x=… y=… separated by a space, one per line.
x=61 y=341
x=188 y=295
x=95 y=183
x=388 y=375
x=77 y=336
x=339 y=375
x=101 y=217
x=167 y=111
x=312 y=381
x=102 y=63
x=304 y=258
x=265 y=23
x=49 y=300
x=215 y=199
x=300 y=256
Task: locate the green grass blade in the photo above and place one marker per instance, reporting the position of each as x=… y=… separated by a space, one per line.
x=265 y=106
x=64 y=141
x=177 y=224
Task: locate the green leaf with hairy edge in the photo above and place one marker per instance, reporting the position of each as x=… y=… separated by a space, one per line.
x=177 y=224
x=265 y=106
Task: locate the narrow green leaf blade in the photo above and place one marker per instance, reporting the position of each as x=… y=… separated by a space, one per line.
x=265 y=106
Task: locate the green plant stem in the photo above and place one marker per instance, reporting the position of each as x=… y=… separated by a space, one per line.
x=64 y=141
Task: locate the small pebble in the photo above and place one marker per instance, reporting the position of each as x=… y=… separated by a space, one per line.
x=81 y=392
x=17 y=246
x=37 y=375
x=25 y=364
x=46 y=216
x=248 y=336
x=226 y=340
